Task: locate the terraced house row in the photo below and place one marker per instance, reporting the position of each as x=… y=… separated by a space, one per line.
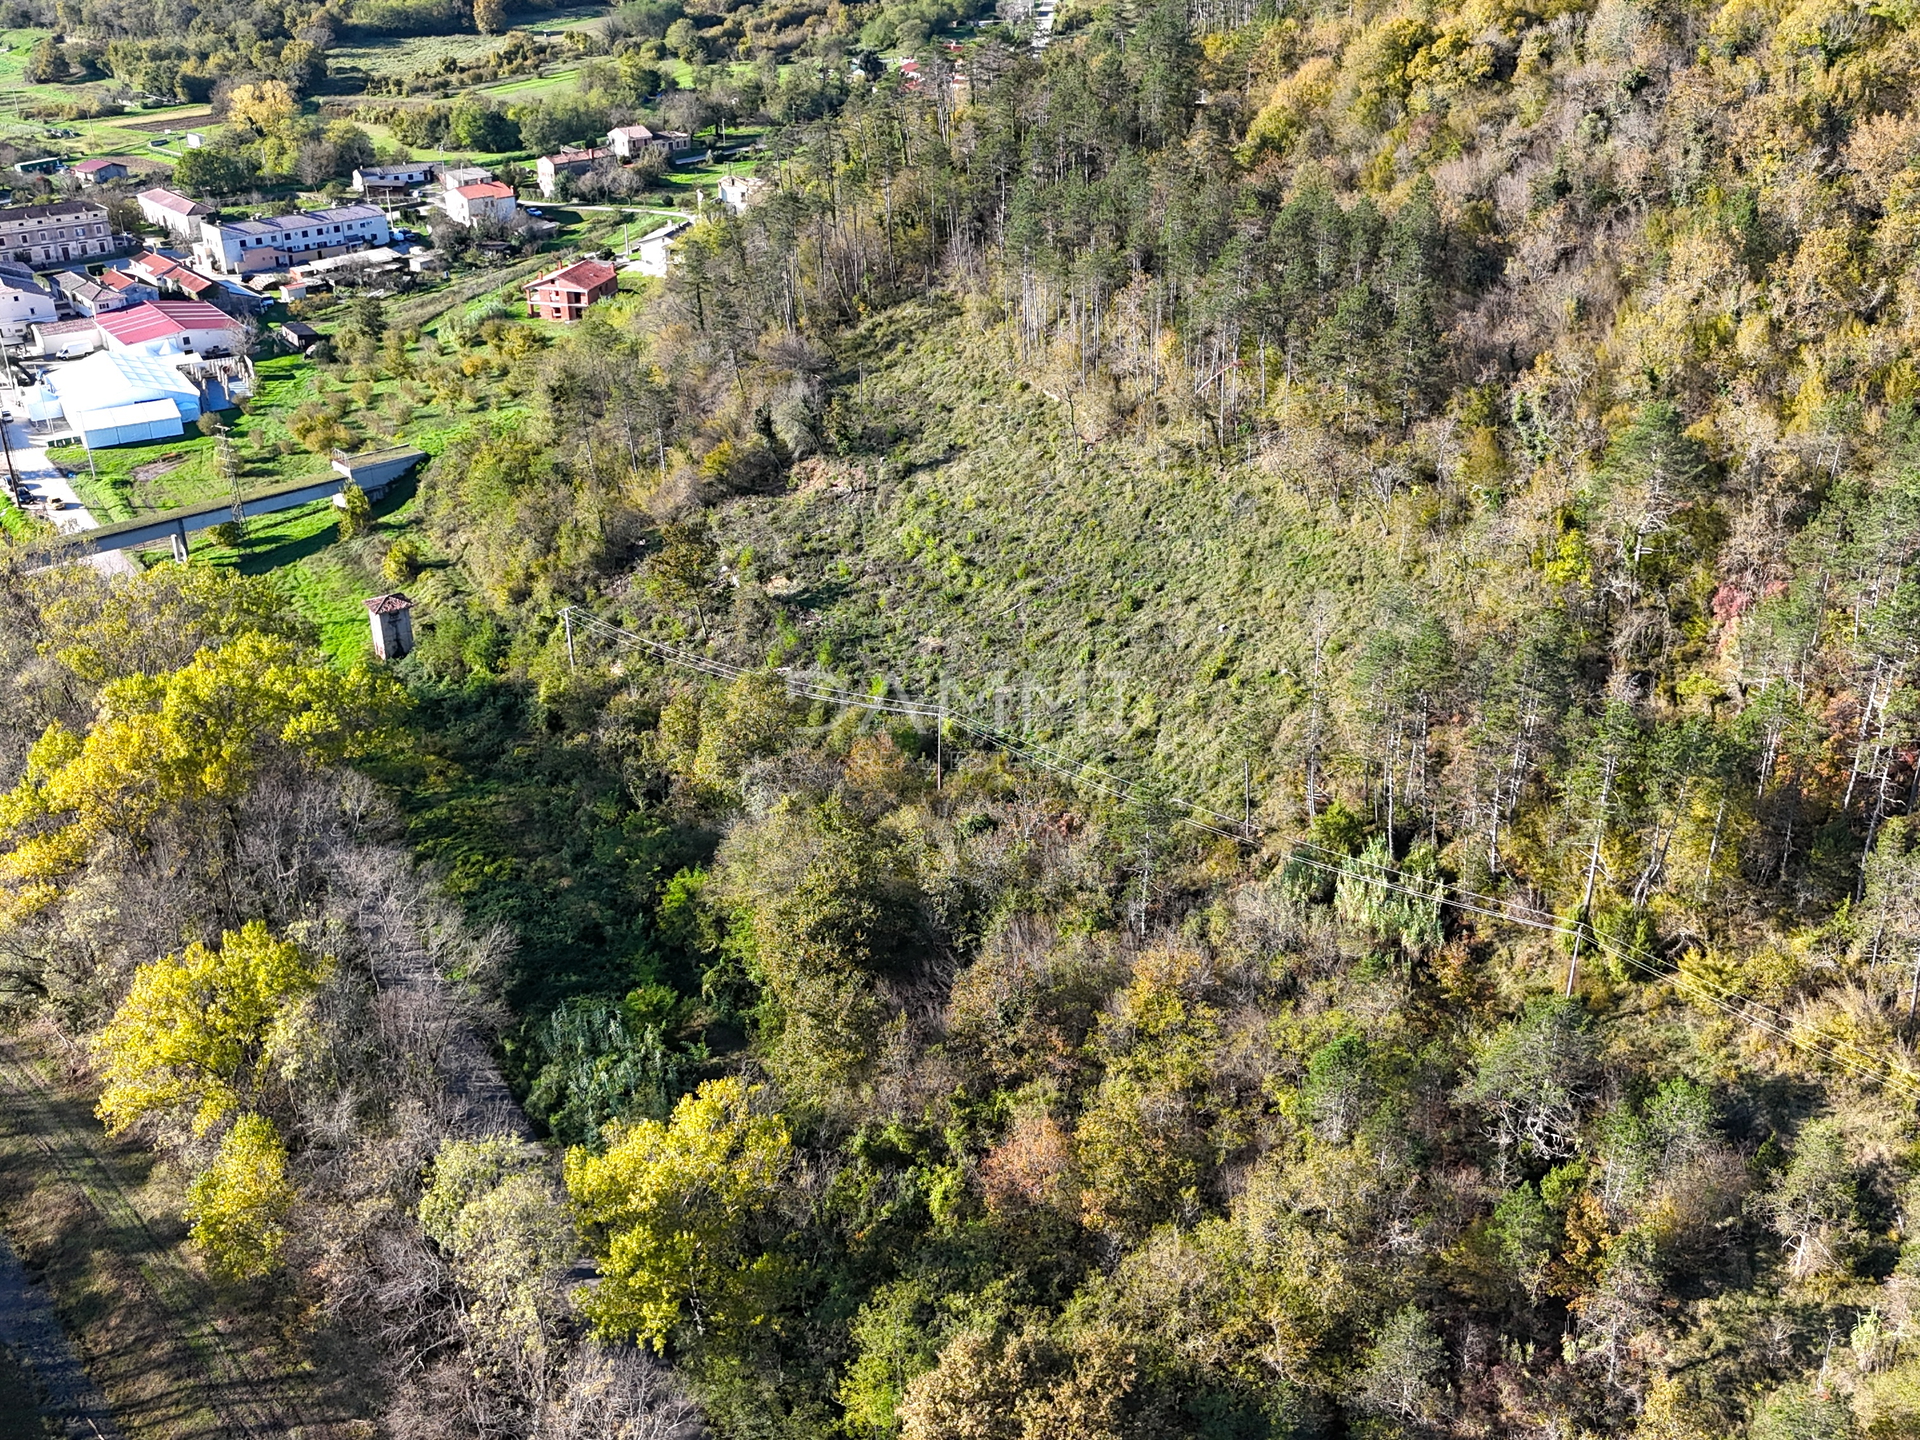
x=49 y=234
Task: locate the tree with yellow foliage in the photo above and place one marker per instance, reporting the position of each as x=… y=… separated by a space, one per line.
x=671 y=1211
x=238 y=1205
x=165 y=743
x=200 y=1032
x=261 y=105
x=161 y=619
x=195 y=1042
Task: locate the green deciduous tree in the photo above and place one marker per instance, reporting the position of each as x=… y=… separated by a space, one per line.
x=1402 y=1376
x=1534 y=1078
x=356 y=512
x=1812 y=1204
x=681 y=574
x=819 y=901
x=493 y=1207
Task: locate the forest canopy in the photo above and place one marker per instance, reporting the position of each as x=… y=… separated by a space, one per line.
x=1214 y=736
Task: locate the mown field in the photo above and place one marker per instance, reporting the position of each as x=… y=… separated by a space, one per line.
x=1120 y=597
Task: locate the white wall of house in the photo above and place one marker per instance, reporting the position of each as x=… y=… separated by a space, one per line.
x=21 y=308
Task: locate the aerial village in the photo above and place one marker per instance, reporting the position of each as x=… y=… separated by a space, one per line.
x=135 y=314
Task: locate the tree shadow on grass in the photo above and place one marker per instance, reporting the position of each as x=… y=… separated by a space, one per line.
x=260 y=555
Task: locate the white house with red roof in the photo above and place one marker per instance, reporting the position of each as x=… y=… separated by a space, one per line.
x=550 y=168
x=630 y=142
x=171 y=211
x=484 y=201
x=154 y=269
x=171 y=327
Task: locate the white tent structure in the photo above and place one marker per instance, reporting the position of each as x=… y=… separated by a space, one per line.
x=125 y=424
x=118 y=397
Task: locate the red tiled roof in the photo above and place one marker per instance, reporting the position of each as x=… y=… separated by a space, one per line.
x=157 y=319
x=192 y=283
x=389 y=604
x=578 y=157
x=173 y=200
x=100 y=162
x=153 y=265
x=581 y=275
x=486 y=190
x=119 y=279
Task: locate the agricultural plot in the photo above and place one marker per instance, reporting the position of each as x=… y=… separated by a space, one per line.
x=410 y=54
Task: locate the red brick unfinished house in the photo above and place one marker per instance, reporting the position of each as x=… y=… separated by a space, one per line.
x=566 y=293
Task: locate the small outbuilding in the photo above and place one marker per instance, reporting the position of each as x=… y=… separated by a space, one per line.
x=737 y=192
x=298 y=335
x=654 y=254
x=100 y=169
x=391 y=617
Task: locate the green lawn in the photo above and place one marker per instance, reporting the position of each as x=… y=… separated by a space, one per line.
x=127 y=481
x=522 y=88
x=326 y=580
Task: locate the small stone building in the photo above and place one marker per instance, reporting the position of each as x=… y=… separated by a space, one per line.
x=392 y=619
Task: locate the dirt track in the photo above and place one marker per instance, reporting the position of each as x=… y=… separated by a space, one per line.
x=31 y=1331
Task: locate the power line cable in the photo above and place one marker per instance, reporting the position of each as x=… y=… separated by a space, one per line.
x=1748 y=1011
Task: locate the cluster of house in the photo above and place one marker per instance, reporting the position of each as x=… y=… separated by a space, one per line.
x=628 y=142
x=565 y=294
x=468 y=194
x=45 y=290
x=150 y=369
x=272 y=244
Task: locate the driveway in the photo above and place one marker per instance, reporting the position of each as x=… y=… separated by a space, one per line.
x=40 y=479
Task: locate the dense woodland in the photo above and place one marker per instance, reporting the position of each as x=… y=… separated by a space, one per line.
x=1418 y=933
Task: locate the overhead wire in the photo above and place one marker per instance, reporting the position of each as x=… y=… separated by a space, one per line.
x=1745 y=1009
